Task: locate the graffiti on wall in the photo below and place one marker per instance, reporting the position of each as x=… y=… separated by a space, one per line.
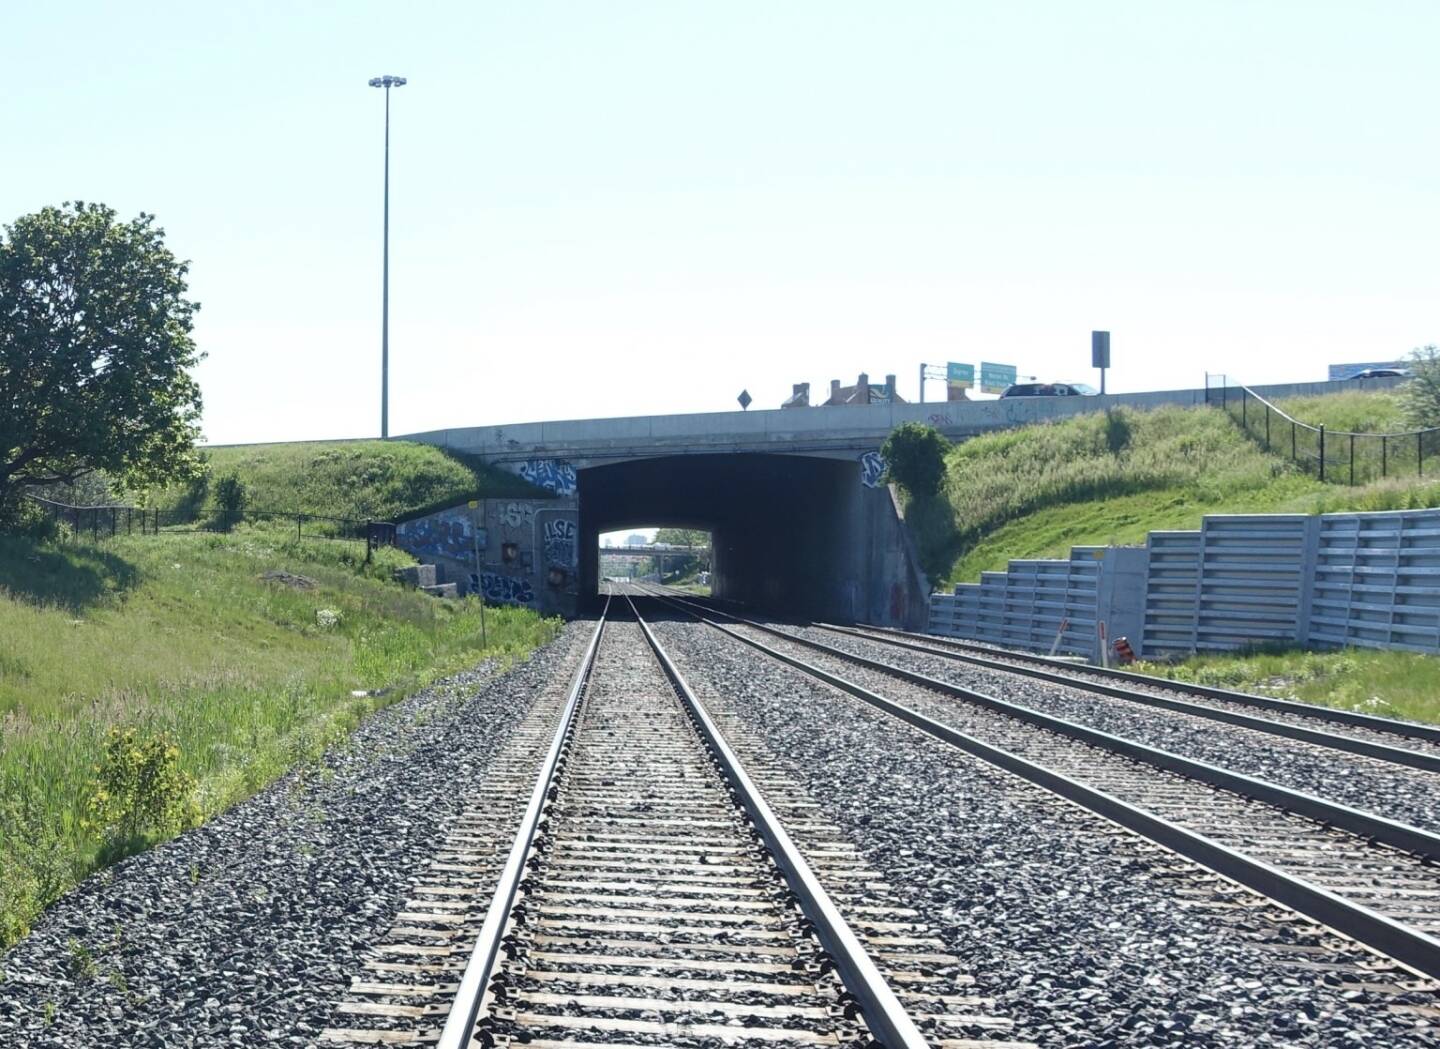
x=560 y=544
x=502 y=589
x=446 y=534
x=555 y=475
x=513 y=515
x=872 y=469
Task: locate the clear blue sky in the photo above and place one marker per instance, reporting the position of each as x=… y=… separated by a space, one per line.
x=626 y=207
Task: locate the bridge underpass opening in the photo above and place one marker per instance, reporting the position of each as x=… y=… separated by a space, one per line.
x=657 y=554
x=790 y=533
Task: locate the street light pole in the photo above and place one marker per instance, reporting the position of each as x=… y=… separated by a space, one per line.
x=387 y=82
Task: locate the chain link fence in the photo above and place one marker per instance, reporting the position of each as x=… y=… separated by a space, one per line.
x=1337 y=456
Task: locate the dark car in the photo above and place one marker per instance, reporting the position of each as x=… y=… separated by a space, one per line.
x=1382 y=373
x=1050 y=389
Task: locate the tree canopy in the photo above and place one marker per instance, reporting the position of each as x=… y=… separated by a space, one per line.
x=1420 y=396
x=95 y=350
x=682 y=537
x=915 y=458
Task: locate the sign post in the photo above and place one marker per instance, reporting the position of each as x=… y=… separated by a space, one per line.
x=476 y=516
x=1100 y=354
x=928 y=371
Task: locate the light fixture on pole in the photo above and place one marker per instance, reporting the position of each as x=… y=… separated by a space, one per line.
x=387 y=82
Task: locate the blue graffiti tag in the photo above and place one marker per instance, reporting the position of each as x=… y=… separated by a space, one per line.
x=560 y=543
x=872 y=469
x=555 y=475
x=503 y=589
x=446 y=534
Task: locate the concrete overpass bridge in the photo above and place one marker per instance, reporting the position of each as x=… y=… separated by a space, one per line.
x=792 y=497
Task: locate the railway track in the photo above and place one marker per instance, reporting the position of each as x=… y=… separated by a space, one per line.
x=1371 y=879
x=1387 y=739
x=655 y=892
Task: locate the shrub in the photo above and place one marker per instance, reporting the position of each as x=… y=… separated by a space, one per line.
x=35 y=866
x=915 y=458
x=1117 y=430
x=230 y=497
x=139 y=787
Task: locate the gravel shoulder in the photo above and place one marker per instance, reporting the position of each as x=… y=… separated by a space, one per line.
x=247 y=930
x=1081 y=932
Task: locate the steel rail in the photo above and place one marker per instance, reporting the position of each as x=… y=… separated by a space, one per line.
x=1377 y=828
x=1319 y=737
x=475 y=981
x=1393 y=726
x=1410 y=947
x=884 y=1015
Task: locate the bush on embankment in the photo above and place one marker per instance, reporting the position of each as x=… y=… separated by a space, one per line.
x=223 y=679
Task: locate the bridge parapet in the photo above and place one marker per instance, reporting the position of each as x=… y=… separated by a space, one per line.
x=838 y=431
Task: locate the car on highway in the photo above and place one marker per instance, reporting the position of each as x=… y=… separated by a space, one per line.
x=1382 y=373
x=1050 y=389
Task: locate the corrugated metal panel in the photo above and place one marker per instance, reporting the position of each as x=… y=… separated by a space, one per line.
x=1252 y=580
x=1172 y=584
x=1370 y=579
x=1376 y=581
x=1024 y=606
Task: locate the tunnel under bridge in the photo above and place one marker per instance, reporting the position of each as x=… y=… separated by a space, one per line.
x=789 y=533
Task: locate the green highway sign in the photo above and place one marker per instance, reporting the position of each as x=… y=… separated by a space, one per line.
x=996 y=378
x=960 y=374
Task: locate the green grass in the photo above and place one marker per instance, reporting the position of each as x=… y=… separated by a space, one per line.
x=1352 y=411
x=1037 y=490
x=365 y=480
x=180 y=634
x=1391 y=684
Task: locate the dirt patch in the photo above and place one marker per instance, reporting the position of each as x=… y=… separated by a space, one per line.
x=290 y=579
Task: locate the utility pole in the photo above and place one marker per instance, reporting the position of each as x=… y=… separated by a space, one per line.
x=387 y=82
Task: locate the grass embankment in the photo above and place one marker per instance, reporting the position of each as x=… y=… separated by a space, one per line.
x=1390 y=684
x=364 y=480
x=1350 y=412
x=181 y=634
x=1111 y=478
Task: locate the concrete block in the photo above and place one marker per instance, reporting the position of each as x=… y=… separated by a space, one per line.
x=442 y=590
x=416 y=575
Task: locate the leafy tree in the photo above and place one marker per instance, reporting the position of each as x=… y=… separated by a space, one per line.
x=1420 y=395
x=95 y=351
x=915 y=458
x=682 y=536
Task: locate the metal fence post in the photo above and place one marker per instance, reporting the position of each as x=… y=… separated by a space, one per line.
x=1322 y=452
x=1420 y=453
x=1294 y=449
x=1267 y=428
x=1352 y=460
x=297 y=526
x=1384 y=455
x=1244 y=416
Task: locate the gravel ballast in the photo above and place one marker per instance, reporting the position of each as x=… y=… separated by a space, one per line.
x=1081 y=932
x=246 y=931
x=1399 y=793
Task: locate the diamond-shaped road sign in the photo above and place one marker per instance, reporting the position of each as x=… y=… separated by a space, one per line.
x=744 y=399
